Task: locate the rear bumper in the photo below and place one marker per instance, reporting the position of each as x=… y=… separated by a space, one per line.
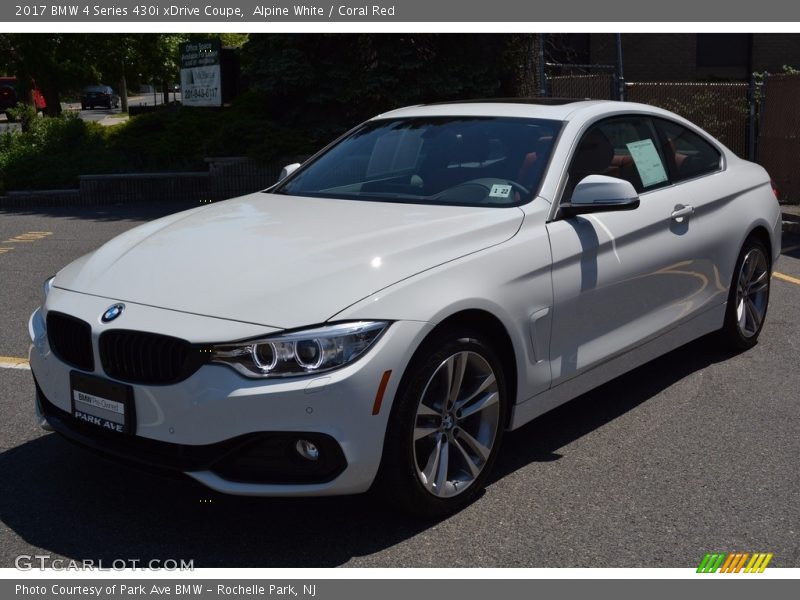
x=777 y=237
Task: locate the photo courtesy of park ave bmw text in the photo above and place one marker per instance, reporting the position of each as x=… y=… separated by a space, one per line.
x=160 y=590
x=443 y=286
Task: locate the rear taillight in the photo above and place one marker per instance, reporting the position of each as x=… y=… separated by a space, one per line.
x=775 y=189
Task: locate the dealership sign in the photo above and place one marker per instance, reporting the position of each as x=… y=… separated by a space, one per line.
x=201 y=83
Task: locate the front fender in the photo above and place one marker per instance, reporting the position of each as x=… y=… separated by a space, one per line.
x=511 y=281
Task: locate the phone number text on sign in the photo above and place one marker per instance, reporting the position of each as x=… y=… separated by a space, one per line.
x=194 y=93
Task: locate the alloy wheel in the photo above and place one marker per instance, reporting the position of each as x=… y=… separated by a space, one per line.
x=752 y=290
x=456 y=424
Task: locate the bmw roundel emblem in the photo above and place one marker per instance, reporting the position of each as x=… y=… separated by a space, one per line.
x=112 y=313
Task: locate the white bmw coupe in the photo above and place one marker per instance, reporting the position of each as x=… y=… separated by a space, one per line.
x=437 y=276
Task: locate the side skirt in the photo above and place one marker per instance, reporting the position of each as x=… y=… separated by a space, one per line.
x=704 y=323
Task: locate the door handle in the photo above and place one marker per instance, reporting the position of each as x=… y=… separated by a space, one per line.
x=680 y=211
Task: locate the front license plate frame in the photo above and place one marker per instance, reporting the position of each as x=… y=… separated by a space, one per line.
x=102 y=403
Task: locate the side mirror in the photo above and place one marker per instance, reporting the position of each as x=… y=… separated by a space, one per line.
x=600 y=193
x=288 y=170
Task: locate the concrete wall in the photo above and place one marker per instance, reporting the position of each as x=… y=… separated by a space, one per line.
x=226 y=177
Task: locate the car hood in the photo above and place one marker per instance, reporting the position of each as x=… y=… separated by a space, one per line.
x=282 y=261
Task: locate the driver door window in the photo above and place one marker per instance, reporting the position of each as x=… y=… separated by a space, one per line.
x=622 y=147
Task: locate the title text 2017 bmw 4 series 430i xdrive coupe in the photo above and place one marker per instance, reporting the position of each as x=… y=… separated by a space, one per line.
x=437 y=276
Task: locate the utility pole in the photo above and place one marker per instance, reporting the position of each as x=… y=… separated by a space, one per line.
x=540 y=64
x=620 y=74
x=123 y=90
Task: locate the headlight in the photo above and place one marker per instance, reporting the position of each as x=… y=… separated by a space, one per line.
x=300 y=352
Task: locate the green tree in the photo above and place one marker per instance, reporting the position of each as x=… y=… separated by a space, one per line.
x=55 y=61
x=228 y=40
x=138 y=57
x=65 y=62
x=322 y=83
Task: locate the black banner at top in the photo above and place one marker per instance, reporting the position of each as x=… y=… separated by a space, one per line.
x=465 y=11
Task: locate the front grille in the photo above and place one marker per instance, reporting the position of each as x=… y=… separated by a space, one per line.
x=149 y=358
x=70 y=340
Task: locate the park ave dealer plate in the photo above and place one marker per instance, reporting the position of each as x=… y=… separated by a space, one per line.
x=105 y=404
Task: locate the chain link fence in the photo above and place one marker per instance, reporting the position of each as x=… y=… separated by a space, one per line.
x=598 y=86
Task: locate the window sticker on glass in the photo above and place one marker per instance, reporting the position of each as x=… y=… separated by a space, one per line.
x=500 y=191
x=648 y=162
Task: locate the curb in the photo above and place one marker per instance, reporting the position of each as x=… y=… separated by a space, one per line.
x=110 y=121
x=791 y=226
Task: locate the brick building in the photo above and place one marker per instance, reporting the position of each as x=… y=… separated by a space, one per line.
x=682 y=56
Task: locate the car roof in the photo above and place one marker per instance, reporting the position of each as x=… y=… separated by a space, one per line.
x=560 y=109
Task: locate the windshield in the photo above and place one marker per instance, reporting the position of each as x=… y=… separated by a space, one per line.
x=433 y=160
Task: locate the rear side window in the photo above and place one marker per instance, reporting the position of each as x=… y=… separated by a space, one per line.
x=687 y=154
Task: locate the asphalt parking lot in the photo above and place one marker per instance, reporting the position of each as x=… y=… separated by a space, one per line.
x=693 y=453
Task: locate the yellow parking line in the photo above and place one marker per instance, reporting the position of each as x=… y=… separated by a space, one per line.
x=12 y=362
x=28 y=236
x=788 y=278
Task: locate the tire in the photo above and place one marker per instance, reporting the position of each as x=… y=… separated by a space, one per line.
x=748 y=297
x=423 y=435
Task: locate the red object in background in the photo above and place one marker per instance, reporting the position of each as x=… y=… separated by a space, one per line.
x=38 y=98
x=9 y=94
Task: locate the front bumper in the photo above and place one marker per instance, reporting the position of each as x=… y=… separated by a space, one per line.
x=235 y=435
x=265 y=456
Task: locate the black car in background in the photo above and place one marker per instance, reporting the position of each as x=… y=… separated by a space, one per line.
x=99 y=95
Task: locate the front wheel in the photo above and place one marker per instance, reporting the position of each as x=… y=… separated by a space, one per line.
x=446 y=425
x=748 y=297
